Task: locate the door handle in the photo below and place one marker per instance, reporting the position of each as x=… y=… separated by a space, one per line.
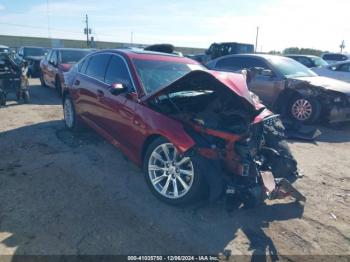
x=77 y=82
x=100 y=93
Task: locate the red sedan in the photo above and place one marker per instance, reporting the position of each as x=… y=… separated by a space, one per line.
x=183 y=124
x=58 y=61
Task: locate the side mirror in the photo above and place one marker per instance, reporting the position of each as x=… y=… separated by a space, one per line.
x=266 y=72
x=117 y=89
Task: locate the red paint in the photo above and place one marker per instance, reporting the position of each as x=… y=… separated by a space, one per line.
x=127 y=122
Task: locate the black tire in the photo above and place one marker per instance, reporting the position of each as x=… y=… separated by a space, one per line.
x=75 y=125
x=58 y=87
x=18 y=95
x=284 y=165
x=2 y=98
x=42 y=81
x=26 y=97
x=197 y=188
x=312 y=104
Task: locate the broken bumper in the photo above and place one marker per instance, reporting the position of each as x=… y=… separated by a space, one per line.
x=339 y=114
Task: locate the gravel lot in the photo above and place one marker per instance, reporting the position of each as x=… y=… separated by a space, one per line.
x=76 y=194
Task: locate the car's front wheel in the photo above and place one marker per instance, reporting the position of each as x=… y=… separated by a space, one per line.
x=304 y=109
x=172 y=177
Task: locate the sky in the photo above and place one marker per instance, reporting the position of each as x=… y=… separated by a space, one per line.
x=319 y=24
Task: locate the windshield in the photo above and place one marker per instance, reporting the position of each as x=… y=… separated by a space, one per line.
x=318 y=61
x=34 y=51
x=72 y=56
x=156 y=74
x=290 y=68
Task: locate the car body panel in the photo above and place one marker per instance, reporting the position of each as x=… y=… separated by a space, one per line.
x=126 y=120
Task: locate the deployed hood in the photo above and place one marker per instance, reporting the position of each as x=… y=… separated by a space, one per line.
x=327 y=83
x=215 y=100
x=196 y=80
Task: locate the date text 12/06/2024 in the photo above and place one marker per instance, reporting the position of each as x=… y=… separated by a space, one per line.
x=173 y=258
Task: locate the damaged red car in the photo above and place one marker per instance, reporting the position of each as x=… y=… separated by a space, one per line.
x=195 y=133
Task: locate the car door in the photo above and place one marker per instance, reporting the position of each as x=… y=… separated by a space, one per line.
x=267 y=83
x=118 y=110
x=51 y=69
x=44 y=64
x=267 y=87
x=90 y=87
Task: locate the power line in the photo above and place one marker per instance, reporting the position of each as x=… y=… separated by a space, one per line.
x=38 y=27
x=48 y=19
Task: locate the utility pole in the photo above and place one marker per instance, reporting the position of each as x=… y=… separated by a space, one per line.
x=256 y=39
x=342 y=46
x=87 y=30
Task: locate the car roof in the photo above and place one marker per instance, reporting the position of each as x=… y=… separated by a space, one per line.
x=38 y=47
x=346 y=54
x=72 y=49
x=149 y=55
x=300 y=55
x=3 y=46
x=263 y=56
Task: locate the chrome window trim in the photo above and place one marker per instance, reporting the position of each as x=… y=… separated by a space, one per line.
x=126 y=64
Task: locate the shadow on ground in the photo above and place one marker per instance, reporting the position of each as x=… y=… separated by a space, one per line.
x=63 y=193
x=38 y=96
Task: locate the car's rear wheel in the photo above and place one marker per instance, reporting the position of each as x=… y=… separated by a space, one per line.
x=304 y=109
x=70 y=117
x=172 y=178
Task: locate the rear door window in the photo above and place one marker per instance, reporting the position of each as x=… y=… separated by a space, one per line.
x=344 y=68
x=305 y=61
x=53 y=57
x=83 y=65
x=97 y=66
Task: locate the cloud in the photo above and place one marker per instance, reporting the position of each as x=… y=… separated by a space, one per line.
x=320 y=24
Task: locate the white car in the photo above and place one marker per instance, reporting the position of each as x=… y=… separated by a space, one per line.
x=333 y=58
x=340 y=71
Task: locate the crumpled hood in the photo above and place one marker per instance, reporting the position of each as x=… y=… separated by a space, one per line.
x=65 y=67
x=233 y=82
x=327 y=83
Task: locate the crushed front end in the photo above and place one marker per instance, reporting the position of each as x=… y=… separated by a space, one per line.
x=238 y=142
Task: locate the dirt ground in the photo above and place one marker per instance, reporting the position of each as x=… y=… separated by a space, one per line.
x=62 y=193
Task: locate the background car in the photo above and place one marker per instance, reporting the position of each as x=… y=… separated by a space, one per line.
x=58 y=61
x=33 y=55
x=332 y=58
x=4 y=49
x=309 y=61
x=291 y=88
x=340 y=71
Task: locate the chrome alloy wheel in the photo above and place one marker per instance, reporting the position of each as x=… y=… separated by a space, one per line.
x=170 y=173
x=68 y=113
x=302 y=109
